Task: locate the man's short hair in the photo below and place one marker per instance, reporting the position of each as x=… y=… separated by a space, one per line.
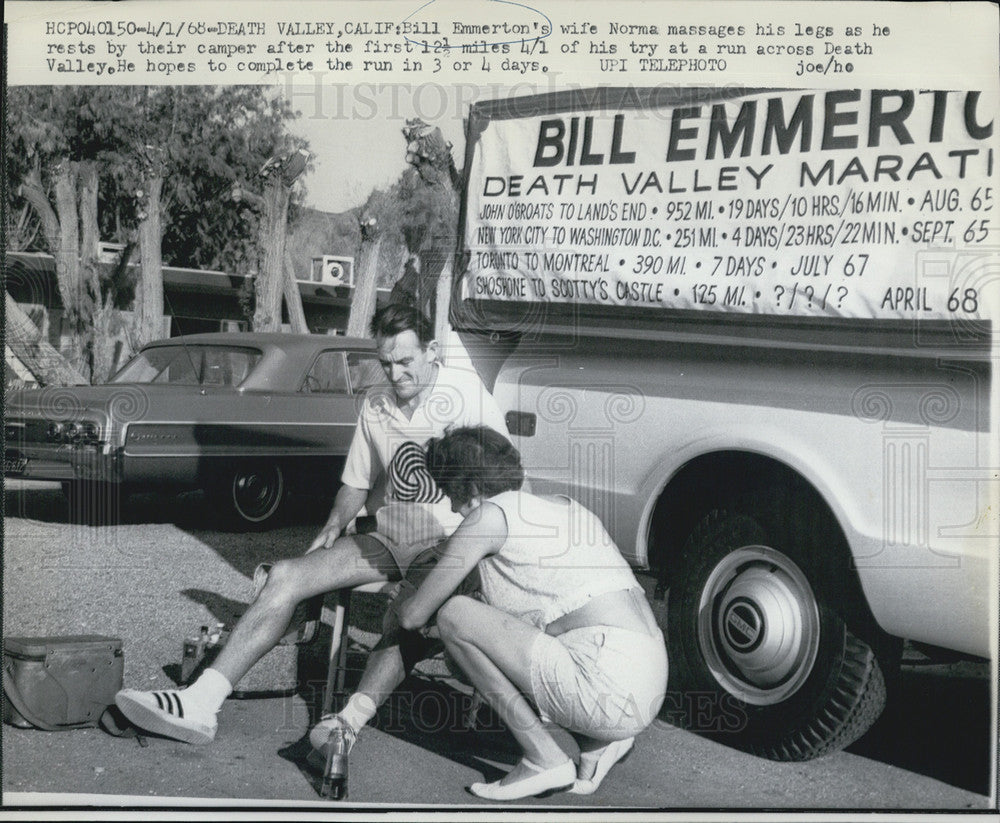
x=397 y=317
x=474 y=460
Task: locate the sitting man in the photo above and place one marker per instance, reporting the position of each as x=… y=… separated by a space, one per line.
x=423 y=400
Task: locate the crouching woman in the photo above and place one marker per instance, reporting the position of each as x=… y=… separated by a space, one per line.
x=565 y=634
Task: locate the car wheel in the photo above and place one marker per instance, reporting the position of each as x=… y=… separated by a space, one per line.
x=759 y=653
x=253 y=494
x=94 y=503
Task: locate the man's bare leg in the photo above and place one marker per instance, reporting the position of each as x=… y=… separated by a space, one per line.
x=384 y=670
x=190 y=715
x=351 y=561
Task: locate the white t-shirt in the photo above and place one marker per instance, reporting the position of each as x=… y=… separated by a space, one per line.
x=556 y=558
x=388 y=449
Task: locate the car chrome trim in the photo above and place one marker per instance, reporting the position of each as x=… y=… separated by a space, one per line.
x=249 y=455
x=126 y=426
x=128 y=448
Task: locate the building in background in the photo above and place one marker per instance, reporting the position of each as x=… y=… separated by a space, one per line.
x=320 y=247
x=194 y=300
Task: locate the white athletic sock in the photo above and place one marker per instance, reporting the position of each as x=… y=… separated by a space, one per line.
x=209 y=691
x=359 y=710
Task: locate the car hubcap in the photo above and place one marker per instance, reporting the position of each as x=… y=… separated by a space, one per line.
x=758 y=625
x=257 y=493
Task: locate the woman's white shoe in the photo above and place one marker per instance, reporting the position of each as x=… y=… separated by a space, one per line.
x=543 y=780
x=614 y=752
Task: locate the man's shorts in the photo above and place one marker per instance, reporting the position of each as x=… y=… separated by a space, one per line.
x=406 y=531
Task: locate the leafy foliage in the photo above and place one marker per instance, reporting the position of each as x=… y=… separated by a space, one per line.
x=174 y=169
x=208 y=142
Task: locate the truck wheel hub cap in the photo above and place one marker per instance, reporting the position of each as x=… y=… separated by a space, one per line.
x=758 y=625
x=743 y=625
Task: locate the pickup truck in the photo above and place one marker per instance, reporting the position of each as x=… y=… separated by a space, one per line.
x=712 y=321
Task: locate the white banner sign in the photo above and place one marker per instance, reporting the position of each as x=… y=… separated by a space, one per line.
x=839 y=203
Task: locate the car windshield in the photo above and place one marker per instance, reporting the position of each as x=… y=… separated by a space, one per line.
x=192 y=365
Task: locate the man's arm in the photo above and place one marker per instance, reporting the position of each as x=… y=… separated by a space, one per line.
x=345 y=508
x=481 y=534
x=355 y=478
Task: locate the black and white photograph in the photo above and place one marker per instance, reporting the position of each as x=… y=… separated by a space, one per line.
x=492 y=408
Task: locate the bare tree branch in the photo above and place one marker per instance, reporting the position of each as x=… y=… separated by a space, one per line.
x=27 y=342
x=31 y=190
x=293 y=298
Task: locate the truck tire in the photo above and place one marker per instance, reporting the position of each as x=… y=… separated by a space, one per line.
x=251 y=494
x=761 y=655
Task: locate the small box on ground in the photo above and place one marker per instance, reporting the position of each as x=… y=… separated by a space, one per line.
x=57 y=683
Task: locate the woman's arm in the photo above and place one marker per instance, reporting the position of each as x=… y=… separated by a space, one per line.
x=482 y=533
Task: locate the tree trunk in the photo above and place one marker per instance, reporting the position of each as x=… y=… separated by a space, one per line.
x=67 y=252
x=442 y=326
x=270 y=277
x=96 y=316
x=293 y=298
x=149 y=292
x=435 y=257
x=23 y=230
x=90 y=233
x=63 y=236
x=365 y=285
x=72 y=289
x=103 y=344
x=28 y=343
x=32 y=191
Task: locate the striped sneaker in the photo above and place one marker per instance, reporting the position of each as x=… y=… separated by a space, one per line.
x=165 y=713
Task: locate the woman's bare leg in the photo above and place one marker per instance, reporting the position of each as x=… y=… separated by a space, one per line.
x=492 y=649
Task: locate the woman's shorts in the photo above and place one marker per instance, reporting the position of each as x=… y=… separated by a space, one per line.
x=602 y=681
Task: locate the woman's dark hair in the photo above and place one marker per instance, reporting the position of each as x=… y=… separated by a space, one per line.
x=397 y=317
x=474 y=461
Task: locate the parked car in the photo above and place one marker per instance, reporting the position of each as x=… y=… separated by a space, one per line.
x=246 y=417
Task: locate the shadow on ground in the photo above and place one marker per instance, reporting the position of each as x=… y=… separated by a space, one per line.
x=937 y=724
x=191 y=512
x=48 y=505
x=187 y=509
x=430 y=714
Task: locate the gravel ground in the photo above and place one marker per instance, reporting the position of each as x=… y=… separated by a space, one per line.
x=152 y=599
